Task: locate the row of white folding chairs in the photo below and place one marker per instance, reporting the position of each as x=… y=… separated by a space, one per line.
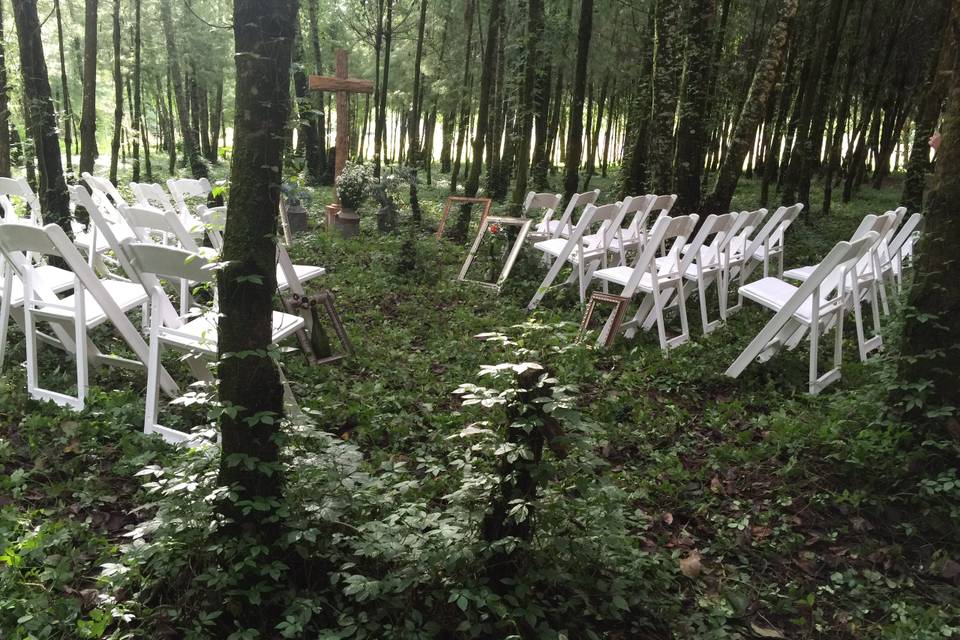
x=852 y=272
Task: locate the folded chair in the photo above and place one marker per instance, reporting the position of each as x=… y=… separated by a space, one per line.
x=866 y=273
x=814 y=306
x=191 y=335
x=706 y=260
x=660 y=280
x=767 y=242
x=583 y=253
x=92 y=303
x=152 y=194
x=547 y=203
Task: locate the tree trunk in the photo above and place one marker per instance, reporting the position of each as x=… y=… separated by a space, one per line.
x=41 y=117
x=381 y=140
x=65 y=88
x=472 y=183
x=317 y=166
x=117 y=95
x=575 y=131
x=4 y=109
x=595 y=137
x=249 y=378
x=764 y=78
x=216 y=122
x=533 y=68
x=541 y=104
x=691 y=129
x=667 y=71
x=931 y=347
x=138 y=133
x=88 y=119
x=188 y=136
x=309 y=136
x=466 y=86
x=413 y=128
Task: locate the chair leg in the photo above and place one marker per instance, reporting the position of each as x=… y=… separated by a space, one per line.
x=545 y=285
x=153 y=375
x=4 y=320
x=814 y=354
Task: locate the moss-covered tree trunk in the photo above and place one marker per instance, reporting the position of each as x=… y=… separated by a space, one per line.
x=533 y=69
x=117 y=95
x=571 y=179
x=249 y=378
x=4 y=109
x=188 y=135
x=667 y=71
x=931 y=349
x=691 y=129
x=764 y=79
x=139 y=132
x=41 y=117
x=88 y=116
x=65 y=88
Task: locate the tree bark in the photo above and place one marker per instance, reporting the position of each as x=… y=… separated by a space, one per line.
x=533 y=69
x=65 y=89
x=691 y=128
x=88 y=118
x=317 y=165
x=413 y=128
x=188 y=136
x=667 y=71
x=41 y=117
x=575 y=130
x=931 y=348
x=117 y=95
x=249 y=378
x=381 y=140
x=4 y=109
x=764 y=79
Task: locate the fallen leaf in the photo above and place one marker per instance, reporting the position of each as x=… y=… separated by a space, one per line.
x=765 y=632
x=690 y=566
x=715 y=485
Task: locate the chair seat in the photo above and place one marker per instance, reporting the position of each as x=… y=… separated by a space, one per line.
x=83 y=238
x=127 y=295
x=555 y=246
x=57 y=279
x=799 y=273
x=553 y=227
x=304 y=273
x=200 y=334
x=621 y=275
x=774 y=293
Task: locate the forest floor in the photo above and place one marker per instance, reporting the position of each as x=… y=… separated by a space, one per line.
x=690 y=505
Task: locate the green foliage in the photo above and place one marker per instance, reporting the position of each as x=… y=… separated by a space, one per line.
x=353 y=184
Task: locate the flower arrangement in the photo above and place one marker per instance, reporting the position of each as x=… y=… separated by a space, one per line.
x=352 y=185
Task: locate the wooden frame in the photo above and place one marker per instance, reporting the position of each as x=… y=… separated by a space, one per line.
x=485 y=223
x=486 y=202
x=300 y=304
x=611 y=327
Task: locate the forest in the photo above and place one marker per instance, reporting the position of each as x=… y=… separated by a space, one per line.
x=519 y=319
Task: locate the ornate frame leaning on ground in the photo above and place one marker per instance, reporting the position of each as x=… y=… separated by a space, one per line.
x=486 y=202
x=612 y=325
x=305 y=306
x=488 y=223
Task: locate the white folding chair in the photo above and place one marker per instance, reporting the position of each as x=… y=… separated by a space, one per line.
x=706 y=260
x=867 y=276
x=815 y=306
x=581 y=253
x=744 y=228
x=563 y=227
x=196 y=336
x=767 y=243
x=900 y=249
x=104 y=186
x=92 y=303
x=151 y=194
x=632 y=235
x=659 y=279
x=183 y=189
x=546 y=203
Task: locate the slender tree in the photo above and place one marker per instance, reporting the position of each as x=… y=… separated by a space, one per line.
x=188 y=135
x=4 y=108
x=40 y=115
x=88 y=118
x=249 y=378
x=65 y=89
x=118 y=94
x=575 y=131
x=533 y=69
x=667 y=71
x=764 y=79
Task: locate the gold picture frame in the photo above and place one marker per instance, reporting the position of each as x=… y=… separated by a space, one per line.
x=486 y=202
x=491 y=225
x=612 y=325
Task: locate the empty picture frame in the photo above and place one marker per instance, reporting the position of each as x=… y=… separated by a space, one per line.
x=492 y=226
x=486 y=202
x=612 y=325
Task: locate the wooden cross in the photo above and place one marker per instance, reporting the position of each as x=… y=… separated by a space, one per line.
x=343 y=86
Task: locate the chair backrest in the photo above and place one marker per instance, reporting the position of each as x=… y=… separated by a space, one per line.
x=837 y=268
x=904 y=234
x=711 y=246
x=536 y=200
x=640 y=207
x=215 y=223
x=575 y=202
x=18 y=188
x=183 y=188
x=147 y=220
x=604 y=221
x=151 y=194
x=747 y=222
x=167 y=262
x=104 y=186
x=664 y=228
x=771 y=234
